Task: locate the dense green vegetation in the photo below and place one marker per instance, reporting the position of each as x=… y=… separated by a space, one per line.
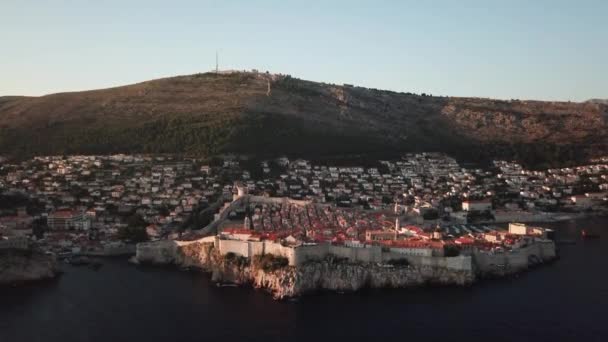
x=208 y=114
x=13 y=200
x=451 y=250
x=479 y=216
x=238 y=260
x=399 y=262
x=204 y=135
x=270 y=262
x=263 y=134
x=297 y=86
x=135 y=231
x=10 y=202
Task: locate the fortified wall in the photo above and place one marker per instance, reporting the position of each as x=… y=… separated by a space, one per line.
x=514 y=261
x=166 y=252
x=299 y=255
x=485 y=263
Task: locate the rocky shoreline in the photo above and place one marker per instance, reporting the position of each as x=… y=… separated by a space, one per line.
x=337 y=274
x=24 y=266
x=331 y=273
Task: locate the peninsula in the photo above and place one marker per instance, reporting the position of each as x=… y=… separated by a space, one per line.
x=422 y=218
x=328 y=248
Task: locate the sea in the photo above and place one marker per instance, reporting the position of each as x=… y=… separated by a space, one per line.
x=566 y=300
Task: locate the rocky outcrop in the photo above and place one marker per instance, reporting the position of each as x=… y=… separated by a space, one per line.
x=331 y=273
x=17 y=266
x=340 y=276
x=336 y=275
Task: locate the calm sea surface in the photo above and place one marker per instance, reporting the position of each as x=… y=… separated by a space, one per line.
x=563 y=301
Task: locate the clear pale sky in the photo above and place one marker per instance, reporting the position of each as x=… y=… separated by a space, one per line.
x=532 y=49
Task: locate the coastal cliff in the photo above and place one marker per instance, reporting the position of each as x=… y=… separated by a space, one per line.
x=21 y=266
x=336 y=275
x=330 y=273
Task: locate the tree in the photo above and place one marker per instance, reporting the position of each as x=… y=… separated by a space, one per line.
x=451 y=250
x=135 y=231
x=163 y=210
x=133 y=234
x=136 y=220
x=431 y=215
x=270 y=262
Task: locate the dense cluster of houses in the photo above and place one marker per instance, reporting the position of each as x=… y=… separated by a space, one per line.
x=433 y=185
x=307 y=223
x=84 y=201
x=577 y=188
x=84 y=196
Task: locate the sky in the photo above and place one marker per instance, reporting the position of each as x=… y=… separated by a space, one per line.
x=516 y=49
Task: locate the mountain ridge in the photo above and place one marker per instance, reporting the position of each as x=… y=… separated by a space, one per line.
x=266 y=114
x=599 y=101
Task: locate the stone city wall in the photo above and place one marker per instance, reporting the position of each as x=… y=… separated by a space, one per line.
x=158 y=252
x=373 y=254
x=237 y=247
x=413 y=251
x=164 y=252
x=250 y=249
x=460 y=263
x=489 y=263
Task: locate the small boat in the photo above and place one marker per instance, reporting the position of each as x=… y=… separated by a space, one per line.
x=587 y=235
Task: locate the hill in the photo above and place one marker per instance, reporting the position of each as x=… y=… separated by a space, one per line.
x=262 y=114
x=601 y=101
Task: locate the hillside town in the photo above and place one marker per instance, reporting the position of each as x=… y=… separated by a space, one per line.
x=102 y=205
x=302 y=223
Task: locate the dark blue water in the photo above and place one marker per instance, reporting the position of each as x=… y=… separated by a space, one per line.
x=563 y=301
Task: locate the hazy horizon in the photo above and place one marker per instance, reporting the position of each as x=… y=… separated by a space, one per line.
x=547 y=50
